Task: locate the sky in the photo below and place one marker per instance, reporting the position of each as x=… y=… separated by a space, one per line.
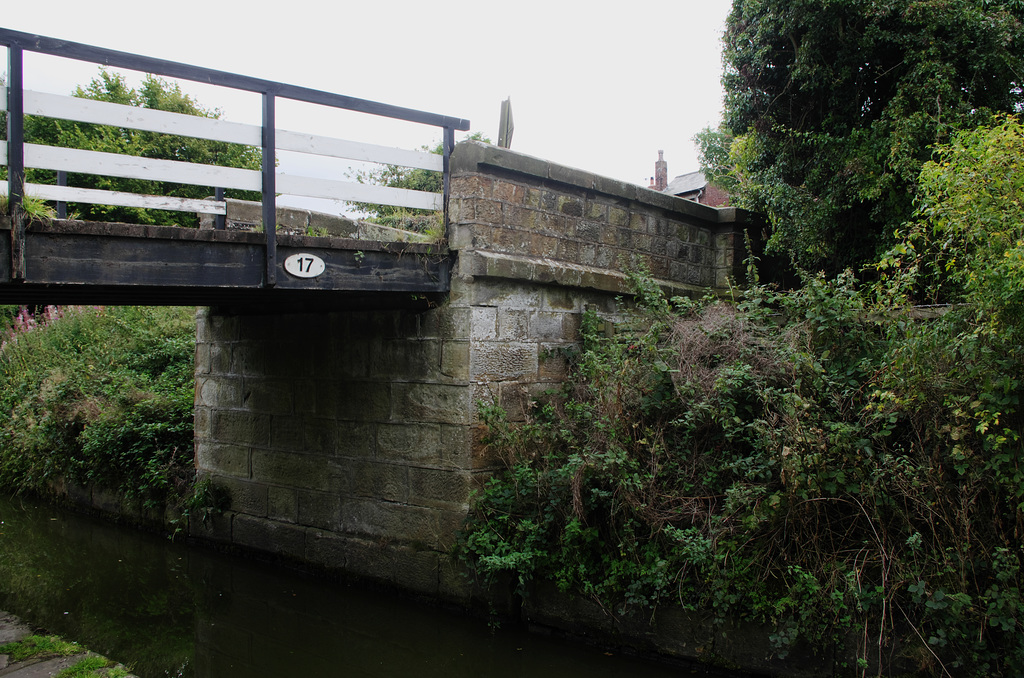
x=597 y=85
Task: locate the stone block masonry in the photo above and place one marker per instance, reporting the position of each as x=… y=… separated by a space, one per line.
x=342 y=438
x=350 y=440
x=521 y=218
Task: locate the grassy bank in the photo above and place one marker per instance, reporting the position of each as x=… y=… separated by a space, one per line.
x=98 y=397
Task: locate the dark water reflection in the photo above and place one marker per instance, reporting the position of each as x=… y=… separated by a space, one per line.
x=170 y=610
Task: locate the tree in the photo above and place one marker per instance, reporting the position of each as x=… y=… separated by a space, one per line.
x=967 y=243
x=157 y=94
x=832 y=108
x=415 y=179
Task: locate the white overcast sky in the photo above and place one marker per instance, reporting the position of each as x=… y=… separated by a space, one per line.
x=601 y=85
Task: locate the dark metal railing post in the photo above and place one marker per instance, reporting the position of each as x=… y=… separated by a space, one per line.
x=62 y=207
x=220 y=220
x=446 y=147
x=16 y=157
x=15 y=126
x=270 y=186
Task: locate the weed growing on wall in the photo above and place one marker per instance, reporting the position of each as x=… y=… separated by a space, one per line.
x=98 y=397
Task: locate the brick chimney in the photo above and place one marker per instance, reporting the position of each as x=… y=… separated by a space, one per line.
x=660 y=173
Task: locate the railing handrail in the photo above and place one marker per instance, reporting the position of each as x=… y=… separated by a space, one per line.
x=174 y=69
x=18 y=42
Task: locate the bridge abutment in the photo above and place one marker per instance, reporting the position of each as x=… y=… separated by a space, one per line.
x=350 y=440
x=342 y=438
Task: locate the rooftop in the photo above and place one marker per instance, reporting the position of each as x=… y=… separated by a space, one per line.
x=686 y=183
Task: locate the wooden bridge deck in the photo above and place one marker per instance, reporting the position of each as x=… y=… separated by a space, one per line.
x=79 y=262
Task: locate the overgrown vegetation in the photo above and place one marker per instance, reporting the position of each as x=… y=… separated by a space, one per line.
x=99 y=397
x=825 y=460
x=35 y=208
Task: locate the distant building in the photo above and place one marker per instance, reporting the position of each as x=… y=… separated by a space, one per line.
x=692 y=186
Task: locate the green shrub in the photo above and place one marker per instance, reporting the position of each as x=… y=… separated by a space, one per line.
x=817 y=460
x=99 y=396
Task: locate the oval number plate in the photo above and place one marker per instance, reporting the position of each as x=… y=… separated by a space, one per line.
x=304 y=265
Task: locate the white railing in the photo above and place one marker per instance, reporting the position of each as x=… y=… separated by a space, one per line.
x=18 y=155
x=133 y=167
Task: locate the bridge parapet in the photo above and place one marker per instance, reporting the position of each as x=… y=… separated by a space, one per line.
x=515 y=216
x=247 y=215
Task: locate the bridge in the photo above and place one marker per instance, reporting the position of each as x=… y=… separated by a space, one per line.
x=60 y=261
x=339 y=411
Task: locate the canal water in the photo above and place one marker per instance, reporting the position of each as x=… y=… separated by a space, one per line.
x=169 y=610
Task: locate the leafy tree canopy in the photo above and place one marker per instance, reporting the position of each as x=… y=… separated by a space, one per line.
x=832 y=108
x=967 y=243
x=157 y=94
